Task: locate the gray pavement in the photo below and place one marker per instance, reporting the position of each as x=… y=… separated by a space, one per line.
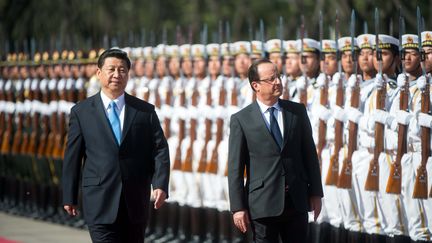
x=25 y=230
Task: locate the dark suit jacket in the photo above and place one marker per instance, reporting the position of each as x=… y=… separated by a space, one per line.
x=269 y=169
x=108 y=169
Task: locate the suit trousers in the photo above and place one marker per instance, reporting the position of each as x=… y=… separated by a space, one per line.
x=289 y=227
x=122 y=230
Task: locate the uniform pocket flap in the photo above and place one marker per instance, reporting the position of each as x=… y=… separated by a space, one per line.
x=91 y=181
x=256 y=184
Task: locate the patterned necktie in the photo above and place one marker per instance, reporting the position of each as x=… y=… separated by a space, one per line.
x=114 y=121
x=274 y=128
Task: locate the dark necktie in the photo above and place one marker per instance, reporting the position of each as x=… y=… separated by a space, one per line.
x=114 y=121
x=274 y=128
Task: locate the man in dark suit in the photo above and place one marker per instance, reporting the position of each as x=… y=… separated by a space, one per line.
x=115 y=141
x=272 y=139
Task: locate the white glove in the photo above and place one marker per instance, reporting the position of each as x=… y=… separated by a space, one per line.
x=34 y=84
x=321 y=80
x=324 y=113
x=379 y=81
x=193 y=112
x=403 y=117
x=421 y=82
x=208 y=112
x=301 y=83
x=401 y=79
x=424 y=120
x=383 y=117
x=352 y=80
x=339 y=113
x=336 y=77
x=353 y=114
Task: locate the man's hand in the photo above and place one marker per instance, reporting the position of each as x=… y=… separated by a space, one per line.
x=71 y=209
x=315 y=206
x=159 y=197
x=241 y=220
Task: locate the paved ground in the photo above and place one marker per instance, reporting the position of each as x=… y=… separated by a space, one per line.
x=24 y=230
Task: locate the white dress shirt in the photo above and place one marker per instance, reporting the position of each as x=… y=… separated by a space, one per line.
x=120 y=103
x=266 y=115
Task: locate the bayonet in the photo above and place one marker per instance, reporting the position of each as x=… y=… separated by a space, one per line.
x=281 y=38
x=228 y=39
x=352 y=30
x=321 y=34
x=302 y=35
x=262 y=38
x=377 y=47
x=420 y=45
x=338 y=54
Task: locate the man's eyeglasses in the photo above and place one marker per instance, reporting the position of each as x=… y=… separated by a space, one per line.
x=271 y=80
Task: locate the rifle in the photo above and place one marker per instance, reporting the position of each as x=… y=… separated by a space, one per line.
x=333 y=171
x=52 y=128
x=208 y=124
x=25 y=137
x=303 y=92
x=34 y=135
x=372 y=180
x=212 y=165
x=167 y=121
x=234 y=99
x=43 y=138
x=345 y=176
x=421 y=180
x=6 y=136
x=285 y=91
x=322 y=126
x=177 y=159
x=187 y=165
x=395 y=178
x=59 y=136
x=17 y=138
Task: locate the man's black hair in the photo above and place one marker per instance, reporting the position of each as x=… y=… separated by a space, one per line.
x=117 y=53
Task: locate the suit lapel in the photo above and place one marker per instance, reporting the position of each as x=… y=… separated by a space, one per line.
x=288 y=119
x=101 y=116
x=129 y=116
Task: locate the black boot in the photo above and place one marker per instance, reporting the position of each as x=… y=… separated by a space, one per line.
x=212 y=224
x=196 y=225
x=224 y=226
x=184 y=229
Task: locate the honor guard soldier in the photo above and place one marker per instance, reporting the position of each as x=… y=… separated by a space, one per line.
x=292 y=67
x=344 y=44
x=93 y=84
x=143 y=91
x=416 y=162
x=257 y=50
x=242 y=61
x=372 y=142
x=275 y=54
x=424 y=121
x=306 y=85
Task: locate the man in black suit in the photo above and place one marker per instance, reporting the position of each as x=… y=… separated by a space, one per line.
x=115 y=141
x=272 y=139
